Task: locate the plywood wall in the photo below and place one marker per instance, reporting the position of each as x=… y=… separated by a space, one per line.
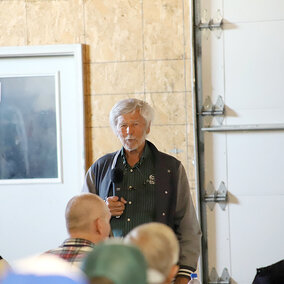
x=132 y=48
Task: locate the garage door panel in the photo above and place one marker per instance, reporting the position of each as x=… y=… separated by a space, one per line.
x=253 y=234
x=237 y=116
x=214 y=66
x=252 y=166
x=218 y=237
x=253 y=10
x=254 y=79
x=215 y=158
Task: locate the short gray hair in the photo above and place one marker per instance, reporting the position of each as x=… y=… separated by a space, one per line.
x=128 y=106
x=158 y=243
x=81 y=210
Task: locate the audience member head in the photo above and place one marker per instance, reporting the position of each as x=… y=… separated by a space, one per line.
x=87 y=216
x=44 y=269
x=117 y=262
x=160 y=247
x=128 y=106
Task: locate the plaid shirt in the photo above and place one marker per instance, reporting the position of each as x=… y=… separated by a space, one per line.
x=73 y=250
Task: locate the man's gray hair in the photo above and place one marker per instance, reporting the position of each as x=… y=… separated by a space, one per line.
x=159 y=245
x=128 y=106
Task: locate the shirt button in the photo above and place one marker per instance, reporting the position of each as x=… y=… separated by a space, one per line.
x=169 y=171
x=130 y=202
x=131 y=170
x=128 y=219
x=130 y=187
x=164 y=214
x=166 y=192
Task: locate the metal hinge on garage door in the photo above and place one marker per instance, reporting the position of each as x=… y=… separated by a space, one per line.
x=210 y=25
x=215 y=279
x=212 y=196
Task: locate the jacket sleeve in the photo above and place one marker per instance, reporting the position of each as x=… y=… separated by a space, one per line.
x=186 y=227
x=89 y=183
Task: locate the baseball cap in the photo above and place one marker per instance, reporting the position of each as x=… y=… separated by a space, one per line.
x=119 y=262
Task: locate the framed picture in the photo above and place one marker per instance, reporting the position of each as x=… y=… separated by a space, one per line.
x=29 y=128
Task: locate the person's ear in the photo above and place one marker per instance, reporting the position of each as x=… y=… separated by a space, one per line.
x=148 y=128
x=98 y=226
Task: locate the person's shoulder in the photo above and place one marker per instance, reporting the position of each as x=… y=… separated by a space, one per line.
x=106 y=156
x=168 y=156
x=168 y=159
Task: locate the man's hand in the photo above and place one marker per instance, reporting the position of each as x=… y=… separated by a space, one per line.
x=115 y=205
x=181 y=280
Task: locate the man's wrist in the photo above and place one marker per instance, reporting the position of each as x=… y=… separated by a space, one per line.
x=182 y=280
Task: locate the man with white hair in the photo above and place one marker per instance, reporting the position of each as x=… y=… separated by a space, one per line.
x=160 y=247
x=87 y=221
x=140 y=184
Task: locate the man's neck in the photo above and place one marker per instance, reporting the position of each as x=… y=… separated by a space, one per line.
x=133 y=157
x=87 y=237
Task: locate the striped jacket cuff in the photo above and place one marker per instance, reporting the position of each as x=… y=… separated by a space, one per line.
x=184 y=272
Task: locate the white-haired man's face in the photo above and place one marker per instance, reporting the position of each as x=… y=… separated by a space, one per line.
x=132 y=131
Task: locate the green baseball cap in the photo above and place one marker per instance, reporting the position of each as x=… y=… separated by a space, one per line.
x=119 y=262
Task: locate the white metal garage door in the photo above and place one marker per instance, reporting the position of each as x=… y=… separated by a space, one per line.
x=241 y=151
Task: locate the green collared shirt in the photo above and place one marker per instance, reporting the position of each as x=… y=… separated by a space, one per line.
x=138 y=189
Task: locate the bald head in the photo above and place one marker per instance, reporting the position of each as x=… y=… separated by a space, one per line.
x=83 y=212
x=159 y=245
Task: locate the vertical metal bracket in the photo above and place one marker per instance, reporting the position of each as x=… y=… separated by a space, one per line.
x=209 y=110
x=212 y=196
x=215 y=279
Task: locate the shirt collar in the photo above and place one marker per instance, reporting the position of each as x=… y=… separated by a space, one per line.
x=146 y=153
x=77 y=241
